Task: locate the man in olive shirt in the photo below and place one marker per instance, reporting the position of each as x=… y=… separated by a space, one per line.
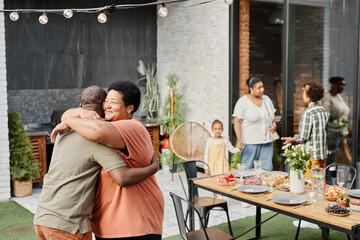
x=66 y=201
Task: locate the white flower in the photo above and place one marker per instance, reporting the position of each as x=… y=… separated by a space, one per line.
x=294 y=154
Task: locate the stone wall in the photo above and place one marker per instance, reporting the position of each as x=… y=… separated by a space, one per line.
x=194 y=43
x=4 y=142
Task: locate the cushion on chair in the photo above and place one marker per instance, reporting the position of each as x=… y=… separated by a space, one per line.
x=213 y=233
x=203 y=202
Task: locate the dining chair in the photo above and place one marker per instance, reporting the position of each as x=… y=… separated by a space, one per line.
x=204 y=232
x=202 y=204
x=331 y=174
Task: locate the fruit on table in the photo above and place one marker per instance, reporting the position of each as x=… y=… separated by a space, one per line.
x=335 y=209
x=343 y=200
x=226 y=179
x=357 y=203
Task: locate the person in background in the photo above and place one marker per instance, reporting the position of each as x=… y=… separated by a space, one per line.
x=67 y=198
x=254 y=122
x=313 y=124
x=134 y=212
x=215 y=150
x=338 y=127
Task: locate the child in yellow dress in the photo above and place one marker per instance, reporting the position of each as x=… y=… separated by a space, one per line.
x=215 y=151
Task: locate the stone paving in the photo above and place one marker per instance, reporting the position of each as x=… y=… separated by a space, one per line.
x=170 y=227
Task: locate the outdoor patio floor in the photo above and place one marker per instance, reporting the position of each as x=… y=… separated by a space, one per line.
x=170 y=226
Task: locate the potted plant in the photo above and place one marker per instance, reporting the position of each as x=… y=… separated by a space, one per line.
x=150 y=99
x=22 y=169
x=171 y=117
x=235 y=159
x=297 y=157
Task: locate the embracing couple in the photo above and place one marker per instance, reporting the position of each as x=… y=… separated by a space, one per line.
x=101 y=176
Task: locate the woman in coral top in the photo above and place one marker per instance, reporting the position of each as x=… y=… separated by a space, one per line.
x=134 y=212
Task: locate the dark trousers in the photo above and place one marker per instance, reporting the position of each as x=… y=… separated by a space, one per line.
x=145 y=237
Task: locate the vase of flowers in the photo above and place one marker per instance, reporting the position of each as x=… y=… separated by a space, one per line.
x=297 y=157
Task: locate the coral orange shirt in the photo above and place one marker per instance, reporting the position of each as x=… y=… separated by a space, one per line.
x=130 y=211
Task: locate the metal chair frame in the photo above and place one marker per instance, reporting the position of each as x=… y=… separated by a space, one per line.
x=183 y=227
x=191 y=172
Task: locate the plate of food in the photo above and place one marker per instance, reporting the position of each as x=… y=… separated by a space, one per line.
x=228 y=180
x=236 y=173
x=355 y=205
x=343 y=202
x=336 y=210
x=253 y=189
x=252 y=180
x=288 y=199
x=285 y=186
x=279 y=179
x=354 y=193
x=333 y=193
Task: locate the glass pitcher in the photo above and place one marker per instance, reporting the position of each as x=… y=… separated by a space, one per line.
x=318 y=180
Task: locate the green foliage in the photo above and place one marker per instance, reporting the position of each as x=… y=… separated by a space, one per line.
x=235 y=159
x=166 y=118
x=297 y=156
x=169 y=158
x=150 y=100
x=21 y=165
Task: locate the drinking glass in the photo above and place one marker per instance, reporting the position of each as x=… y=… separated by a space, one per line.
x=340 y=177
x=311 y=196
x=241 y=169
x=257 y=166
x=271 y=180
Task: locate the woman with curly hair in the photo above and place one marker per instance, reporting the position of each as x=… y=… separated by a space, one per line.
x=312 y=129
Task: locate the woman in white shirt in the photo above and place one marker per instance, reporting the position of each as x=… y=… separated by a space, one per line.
x=254 y=120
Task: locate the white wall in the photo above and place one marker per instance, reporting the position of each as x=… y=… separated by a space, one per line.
x=194 y=42
x=4 y=143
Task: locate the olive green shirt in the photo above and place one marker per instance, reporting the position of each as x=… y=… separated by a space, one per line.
x=67 y=197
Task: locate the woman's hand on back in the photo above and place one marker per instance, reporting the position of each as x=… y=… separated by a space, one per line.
x=61 y=128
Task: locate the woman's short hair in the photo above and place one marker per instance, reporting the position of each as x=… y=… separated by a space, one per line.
x=252 y=81
x=131 y=93
x=217 y=121
x=335 y=80
x=314 y=90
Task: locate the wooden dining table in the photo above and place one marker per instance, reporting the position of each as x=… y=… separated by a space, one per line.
x=314 y=212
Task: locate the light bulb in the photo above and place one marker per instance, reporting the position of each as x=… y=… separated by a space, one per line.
x=163 y=12
x=14 y=16
x=68 y=13
x=228 y=2
x=43 y=19
x=102 y=18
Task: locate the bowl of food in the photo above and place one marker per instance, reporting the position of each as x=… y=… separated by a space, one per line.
x=337 y=210
x=333 y=193
x=279 y=179
x=355 y=205
x=343 y=202
x=226 y=180
x=252 y=180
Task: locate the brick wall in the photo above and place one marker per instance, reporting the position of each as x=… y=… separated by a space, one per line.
x=194 y=42
x=244 y=48
x=265 y=48
x=4 y=143
x=308 y=49
x=36 y=106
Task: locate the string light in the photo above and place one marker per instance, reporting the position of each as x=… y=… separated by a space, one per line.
x=102 y=11
x=228 y=2
x=163 y=12
x=14 y=16
x=102 y=18
x=68 y=13
x=43 y=19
